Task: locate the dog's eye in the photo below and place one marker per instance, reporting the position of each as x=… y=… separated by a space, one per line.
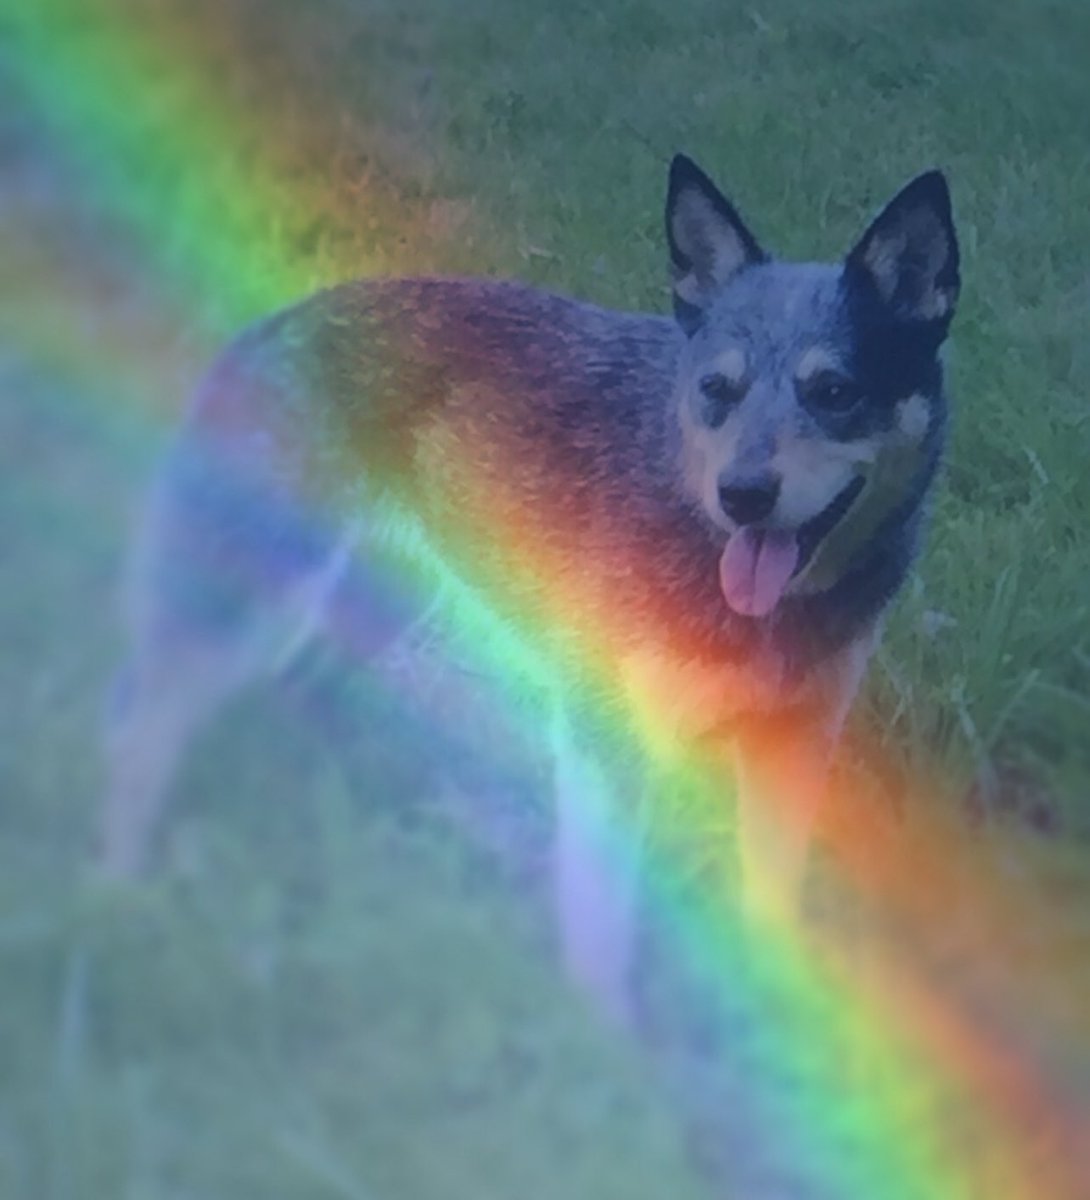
x=718 y=395
x=832 y=394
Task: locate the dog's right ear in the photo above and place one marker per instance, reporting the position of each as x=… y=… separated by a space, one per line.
x=708 y=241
x=908 y=257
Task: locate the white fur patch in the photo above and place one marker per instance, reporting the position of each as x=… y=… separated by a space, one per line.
x=936 y=304
x=731 y=364
x=814 y=470
x=688 y=289
x=914 y=417
x=813 y=361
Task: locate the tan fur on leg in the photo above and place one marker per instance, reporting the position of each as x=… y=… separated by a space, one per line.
x=782 y=767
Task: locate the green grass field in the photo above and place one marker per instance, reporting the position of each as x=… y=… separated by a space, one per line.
x=328 y=991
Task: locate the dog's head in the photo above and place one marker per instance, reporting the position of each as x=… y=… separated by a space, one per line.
x=808 y=393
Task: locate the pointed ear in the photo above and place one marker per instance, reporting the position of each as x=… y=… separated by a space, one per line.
x=909 y=255
x=707 y=239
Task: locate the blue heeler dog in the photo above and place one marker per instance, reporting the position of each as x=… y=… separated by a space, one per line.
x=726 y=502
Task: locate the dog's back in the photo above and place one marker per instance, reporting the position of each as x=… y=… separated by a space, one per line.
x=517 y=425
x=527 y=431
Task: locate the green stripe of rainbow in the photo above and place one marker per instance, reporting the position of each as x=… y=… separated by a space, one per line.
x=937 y=1049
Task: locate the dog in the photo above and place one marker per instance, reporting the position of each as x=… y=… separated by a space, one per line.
x=704 y=515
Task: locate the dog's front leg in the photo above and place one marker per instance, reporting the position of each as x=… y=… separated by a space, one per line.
x=781 y=771
x=781 y=768
x=596 y=864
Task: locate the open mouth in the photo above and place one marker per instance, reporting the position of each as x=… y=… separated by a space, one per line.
x=758 y=564
x=818 y=528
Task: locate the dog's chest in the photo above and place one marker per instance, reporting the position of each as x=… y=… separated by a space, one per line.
x=677 y=698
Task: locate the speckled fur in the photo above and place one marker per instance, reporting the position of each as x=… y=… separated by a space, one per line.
x=551 y=449
x=499 y=412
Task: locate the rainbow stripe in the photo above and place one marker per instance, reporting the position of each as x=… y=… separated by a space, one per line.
x=950 y=1066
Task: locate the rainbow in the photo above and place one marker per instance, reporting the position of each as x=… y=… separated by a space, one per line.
x=942 y=1070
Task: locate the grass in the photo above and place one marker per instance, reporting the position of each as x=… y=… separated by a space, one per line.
x=336 y=997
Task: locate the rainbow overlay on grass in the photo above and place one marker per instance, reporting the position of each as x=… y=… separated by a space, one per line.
x=958 y=1084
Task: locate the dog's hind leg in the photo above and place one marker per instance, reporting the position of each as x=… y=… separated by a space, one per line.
x=161 y=699
x=595 y=874
x=181 y=671
x=220 y=622
x=227 y=583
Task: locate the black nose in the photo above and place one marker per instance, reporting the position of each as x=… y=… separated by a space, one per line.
x=749 y=500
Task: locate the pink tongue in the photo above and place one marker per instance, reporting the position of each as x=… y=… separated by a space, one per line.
x=755 y=569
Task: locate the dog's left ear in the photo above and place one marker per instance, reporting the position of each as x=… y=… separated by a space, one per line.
x=909 y=255
x=707 y=239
